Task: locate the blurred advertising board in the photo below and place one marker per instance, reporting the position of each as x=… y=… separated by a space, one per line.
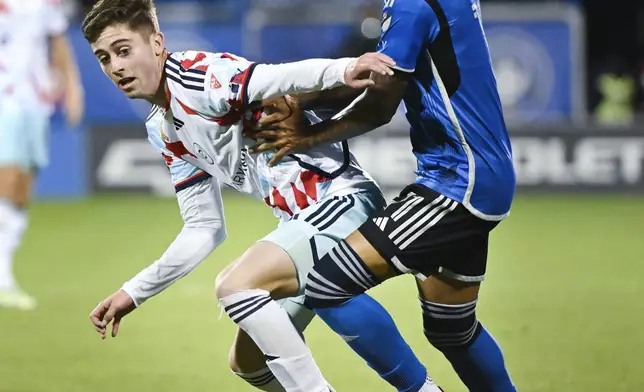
x=122 y=160
x=546 y=159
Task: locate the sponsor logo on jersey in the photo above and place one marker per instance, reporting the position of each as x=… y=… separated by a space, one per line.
x=240 y=174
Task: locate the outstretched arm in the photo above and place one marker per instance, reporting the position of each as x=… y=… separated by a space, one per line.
x=274 y=80
x=203 y=230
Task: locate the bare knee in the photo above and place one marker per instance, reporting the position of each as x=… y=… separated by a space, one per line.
x=440 y=289
x=244 y=356
x=264 y=266
x=229 y=282
x=11 y=185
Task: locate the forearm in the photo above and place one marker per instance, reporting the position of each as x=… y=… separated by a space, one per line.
x=360 y=117
x=189 y=249
x=274 y=80
x=333 y=99
x=372 y=109
x=204 y=229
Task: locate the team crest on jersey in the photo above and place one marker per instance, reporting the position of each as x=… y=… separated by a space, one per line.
x=199 y=150
x=214 y=83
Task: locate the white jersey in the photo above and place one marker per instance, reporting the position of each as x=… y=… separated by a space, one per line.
x=25 y=72
x=201 y=134
x=200 y=137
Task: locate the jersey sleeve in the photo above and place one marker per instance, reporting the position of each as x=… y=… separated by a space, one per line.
x=216 y=84
x=208 y=84
x=55 y=20
x=407 y=27
x=203 y=231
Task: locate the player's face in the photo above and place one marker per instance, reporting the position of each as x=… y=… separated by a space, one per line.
x=133 y=61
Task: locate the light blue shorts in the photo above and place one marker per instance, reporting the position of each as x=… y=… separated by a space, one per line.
x=314 y=232
x=24 y=138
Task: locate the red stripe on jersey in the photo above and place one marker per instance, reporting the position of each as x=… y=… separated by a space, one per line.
x=300 y=197
x=229 y=118
x=311 y=181
x=278 y=201
x=178 y=149
x=228 y=56
x=241 y=79
x=168 y=159
x=187 y=63
x=187 y=109
x=200 y=174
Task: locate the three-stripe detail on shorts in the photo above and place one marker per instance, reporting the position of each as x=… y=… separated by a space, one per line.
x=330 y=211
x=414 y=218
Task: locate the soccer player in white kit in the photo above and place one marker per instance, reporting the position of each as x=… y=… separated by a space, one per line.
x=202 y=103
x=37 y=67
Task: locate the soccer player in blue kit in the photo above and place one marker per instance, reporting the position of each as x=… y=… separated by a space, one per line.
x=438 y=227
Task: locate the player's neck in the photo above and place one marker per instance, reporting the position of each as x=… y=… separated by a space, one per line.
x=161 y=97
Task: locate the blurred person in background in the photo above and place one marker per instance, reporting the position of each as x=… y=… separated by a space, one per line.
x=37 y=68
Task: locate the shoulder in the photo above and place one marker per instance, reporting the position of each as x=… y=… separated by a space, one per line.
x=201 y=79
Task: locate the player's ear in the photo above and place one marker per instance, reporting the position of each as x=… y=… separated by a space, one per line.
x=159 y=43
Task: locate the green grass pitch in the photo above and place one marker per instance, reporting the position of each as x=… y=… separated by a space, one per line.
x=563 y=296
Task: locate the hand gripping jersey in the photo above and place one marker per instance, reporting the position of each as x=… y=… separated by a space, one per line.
x=25 y=28
x=200 y=133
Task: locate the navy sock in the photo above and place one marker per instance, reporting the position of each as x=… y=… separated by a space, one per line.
x=371 y=332
x=480 y=365
x=472 y=351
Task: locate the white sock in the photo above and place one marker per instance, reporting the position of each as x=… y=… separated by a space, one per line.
x=263 y=380
x=429 y=386
x=270 y=327
x=13 y=223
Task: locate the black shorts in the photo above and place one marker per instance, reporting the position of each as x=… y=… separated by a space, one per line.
x=424 y=233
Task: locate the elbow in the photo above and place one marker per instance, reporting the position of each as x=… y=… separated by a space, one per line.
x=213 y=231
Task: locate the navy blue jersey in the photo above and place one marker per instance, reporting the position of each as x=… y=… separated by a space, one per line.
x=458 y=133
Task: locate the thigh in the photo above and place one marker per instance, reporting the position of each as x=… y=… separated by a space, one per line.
x=425 y=233
x=317 y=229
x=10 y=183
x=23 y=190
x=447 y=291
x=263 y=266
